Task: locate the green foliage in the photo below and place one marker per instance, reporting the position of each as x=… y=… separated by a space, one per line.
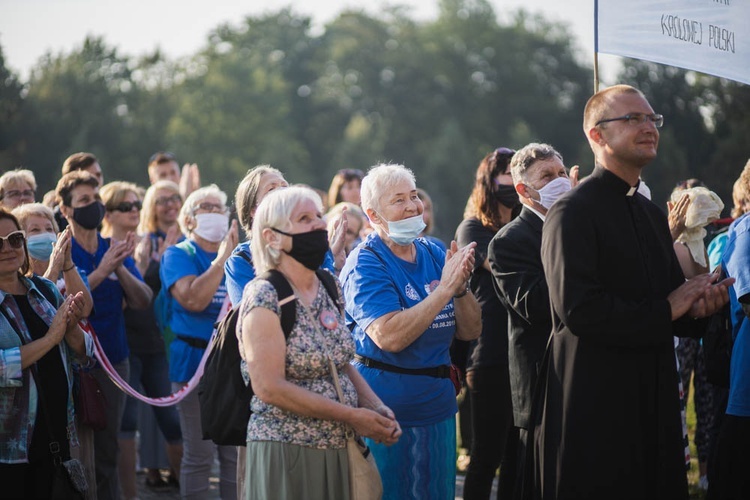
x=368 y=88
x=11 y=109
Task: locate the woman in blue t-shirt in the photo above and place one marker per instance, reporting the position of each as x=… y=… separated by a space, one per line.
x=406 y=300
x=192 y=273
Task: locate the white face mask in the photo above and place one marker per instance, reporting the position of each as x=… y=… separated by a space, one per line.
x=552 y=191
x=403 y=232
x=212 y=227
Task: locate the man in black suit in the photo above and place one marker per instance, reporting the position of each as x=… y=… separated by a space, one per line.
x=540 y=177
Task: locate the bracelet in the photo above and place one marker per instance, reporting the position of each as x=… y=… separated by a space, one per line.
x=458 y=296
x=68 y=269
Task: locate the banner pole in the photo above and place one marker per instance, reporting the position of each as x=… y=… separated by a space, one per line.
x=596 y=46
x=596 y=72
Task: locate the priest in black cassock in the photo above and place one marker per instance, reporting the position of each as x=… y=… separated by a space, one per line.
x=608 y=425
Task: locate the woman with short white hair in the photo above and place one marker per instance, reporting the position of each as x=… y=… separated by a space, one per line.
x=406 y=300
x=192 y=274
x=296 y=441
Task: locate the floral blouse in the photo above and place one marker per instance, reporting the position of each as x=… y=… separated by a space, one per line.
x=307 y=350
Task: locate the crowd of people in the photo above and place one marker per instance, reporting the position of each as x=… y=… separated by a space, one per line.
x=570 y=313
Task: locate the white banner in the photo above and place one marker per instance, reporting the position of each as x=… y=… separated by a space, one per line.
x=709 y=36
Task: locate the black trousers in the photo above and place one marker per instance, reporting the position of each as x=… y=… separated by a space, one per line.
x=31 y=480
x=495 y=438
x=729 y=478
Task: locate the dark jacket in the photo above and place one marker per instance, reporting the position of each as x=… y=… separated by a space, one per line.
x=610 y=424
x=516 y=264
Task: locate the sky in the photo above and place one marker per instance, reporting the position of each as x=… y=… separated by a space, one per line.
x=30 y=28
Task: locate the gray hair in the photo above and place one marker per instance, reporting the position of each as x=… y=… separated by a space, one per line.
x=188 y=211
x=275 y=211
x=527 y=156
x=379 y=180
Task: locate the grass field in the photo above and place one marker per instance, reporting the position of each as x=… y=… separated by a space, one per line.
x=695 y=493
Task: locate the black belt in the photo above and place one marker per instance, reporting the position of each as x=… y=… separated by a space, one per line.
x=442 y=371
x=193 y=342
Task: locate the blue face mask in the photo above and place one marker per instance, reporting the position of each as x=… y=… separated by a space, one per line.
x=40 y=245
x=404 y=232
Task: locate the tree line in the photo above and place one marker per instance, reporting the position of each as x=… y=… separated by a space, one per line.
x=435 y=95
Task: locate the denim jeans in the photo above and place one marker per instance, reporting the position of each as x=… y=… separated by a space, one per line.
x=198 y=454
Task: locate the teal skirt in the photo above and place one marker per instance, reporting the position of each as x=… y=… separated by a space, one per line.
x=289 y=471
x=421 y=465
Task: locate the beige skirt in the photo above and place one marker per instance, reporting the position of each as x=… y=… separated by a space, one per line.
x=289 y=471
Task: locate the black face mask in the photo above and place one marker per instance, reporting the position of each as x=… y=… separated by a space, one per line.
x=309 y=249
x=506 y=195
x=90 y=216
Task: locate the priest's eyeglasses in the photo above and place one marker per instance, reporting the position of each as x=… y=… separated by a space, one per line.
x=636 y=119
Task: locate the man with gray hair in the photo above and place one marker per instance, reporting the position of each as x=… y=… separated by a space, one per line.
x=539 y=177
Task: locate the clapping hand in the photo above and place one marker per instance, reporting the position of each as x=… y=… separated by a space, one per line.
x=700 y=296
x=337 y=239
x=459 y=264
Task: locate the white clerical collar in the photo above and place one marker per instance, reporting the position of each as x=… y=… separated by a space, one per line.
x=632 y=191
x=540 y=214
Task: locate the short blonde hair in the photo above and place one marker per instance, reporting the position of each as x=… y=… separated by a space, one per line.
x=274 y=212
x=188 y=211
x=379 y=180
x=148 y=212
x=23 y=212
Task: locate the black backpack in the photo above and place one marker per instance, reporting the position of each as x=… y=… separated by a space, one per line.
x=222 y=394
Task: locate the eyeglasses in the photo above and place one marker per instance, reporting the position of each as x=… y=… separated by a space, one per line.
x=210 y=207
x=127 y=206
x=636 y=119
x=26 y=193
x=16 y=239
x=163 y=200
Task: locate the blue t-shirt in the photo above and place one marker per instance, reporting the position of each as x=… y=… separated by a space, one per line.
x=176 y=263
x=239 y=272
x=107 y=316
x=736 y=262
x=374 y=288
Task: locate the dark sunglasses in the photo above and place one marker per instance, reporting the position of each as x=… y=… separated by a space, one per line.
x=127 y=206
x=16 y=239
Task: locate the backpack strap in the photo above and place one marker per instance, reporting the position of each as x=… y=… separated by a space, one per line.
x=284 y=291
x=185 y=246
x=329 y=283
x=245 y=256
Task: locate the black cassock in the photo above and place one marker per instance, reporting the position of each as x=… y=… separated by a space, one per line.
x=608 y=421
